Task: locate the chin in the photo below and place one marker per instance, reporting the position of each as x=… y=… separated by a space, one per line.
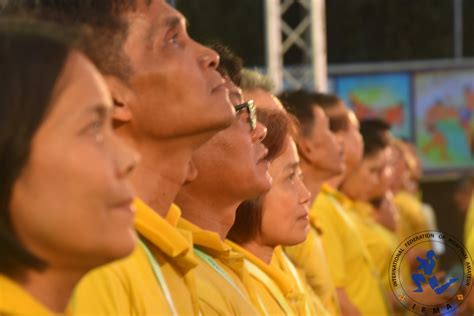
x=222 y=117
x=294 y=240
x=264 y=187
x=120 y=248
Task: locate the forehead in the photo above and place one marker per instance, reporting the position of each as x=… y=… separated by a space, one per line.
x=263 y=99
x=155 y=17
x=82 y=83
x=291 y=148
x=288 y=158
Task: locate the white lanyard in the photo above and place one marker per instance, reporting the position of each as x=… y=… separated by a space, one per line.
x=159 y=277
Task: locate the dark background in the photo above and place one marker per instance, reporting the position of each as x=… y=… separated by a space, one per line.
x=357 y=30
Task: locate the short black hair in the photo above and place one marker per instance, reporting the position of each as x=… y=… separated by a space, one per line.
x=104 y=17
x=26 y=89
x=300 y=103
x=230 y=64
x=375 y=135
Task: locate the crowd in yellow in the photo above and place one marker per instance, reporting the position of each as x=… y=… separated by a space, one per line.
x=147 y=174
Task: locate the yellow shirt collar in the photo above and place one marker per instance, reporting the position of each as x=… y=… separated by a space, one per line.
x=278 y=276
x=211 y=244
x=16 y=301
x=326 y=190
x=164 y=235
x=343 y=199
x=206 y=239
x=363 y=208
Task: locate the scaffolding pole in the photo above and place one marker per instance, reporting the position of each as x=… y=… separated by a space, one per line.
x=281 y=37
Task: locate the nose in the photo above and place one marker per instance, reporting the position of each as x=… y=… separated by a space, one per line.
x=125 y=157
x=338 y=143
x=305 y=195
x=259 y=133
x=208 y=58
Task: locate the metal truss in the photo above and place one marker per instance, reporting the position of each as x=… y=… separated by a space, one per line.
x=307 y=35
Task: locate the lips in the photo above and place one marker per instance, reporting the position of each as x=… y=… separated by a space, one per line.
x=304 y=215
x=219 y=85
x=125 y=204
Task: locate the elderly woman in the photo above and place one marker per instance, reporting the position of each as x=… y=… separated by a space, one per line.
x=64 y=195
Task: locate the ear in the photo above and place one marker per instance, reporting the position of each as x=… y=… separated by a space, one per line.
x=122 y=97
x=191 y=173
x=305 y=148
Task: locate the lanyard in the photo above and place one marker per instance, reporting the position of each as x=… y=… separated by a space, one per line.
x=213 y=264
x=270 y=285
x=159 y=277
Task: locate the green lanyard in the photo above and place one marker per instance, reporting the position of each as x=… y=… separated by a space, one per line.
x=213 y=264
x=159 y=277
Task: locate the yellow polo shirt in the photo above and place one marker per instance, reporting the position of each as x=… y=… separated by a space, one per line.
x=131 y=287
x=380 y=242
x=470 y=245
x=469 y=223
x=412 y=218
x=14 y=301
x=349 y=261
x=310 y=259
x=312 y=304
x=269 y=288
x=218 y=275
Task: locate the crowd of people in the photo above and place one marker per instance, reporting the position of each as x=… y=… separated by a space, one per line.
x=147 y=174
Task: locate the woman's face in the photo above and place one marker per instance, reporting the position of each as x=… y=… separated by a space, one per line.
x=285 y=207
x=71 y=204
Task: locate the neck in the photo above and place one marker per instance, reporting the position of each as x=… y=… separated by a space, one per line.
x=314 y=178
x=340 y=182
x=51 y=287
x=162 y=171
x=335 y=182
x=348 y=187
x=261 y=250
x=209 y=211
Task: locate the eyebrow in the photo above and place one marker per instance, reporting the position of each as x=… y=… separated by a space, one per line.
x=235 y=94
x=293 y=165
x=169 y=23
x=99 y=108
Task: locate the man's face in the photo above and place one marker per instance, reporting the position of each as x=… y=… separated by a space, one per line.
x=350 y=137
x=178 y=91
x=233 y=161
x=353 y=143
x=326 y=152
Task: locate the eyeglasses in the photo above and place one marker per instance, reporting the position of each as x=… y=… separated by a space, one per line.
x=249 y=105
